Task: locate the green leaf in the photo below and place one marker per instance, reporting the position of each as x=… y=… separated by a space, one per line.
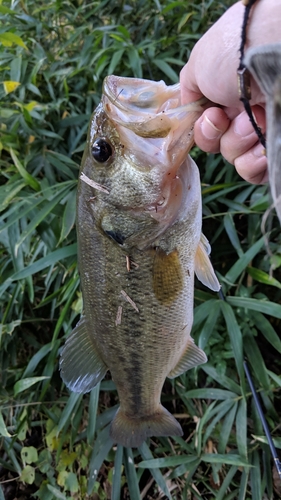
x=263 y=439
x=93 y=408
x=102 y=446
x=241 y=429
x=9 y=38
x=235 y=338
x=263 y=277
x=69 y=216
x=166 y=69
x=3 y=428
x=241 y=264
x=1 y=493
x=37 y=266
x=131 y=474
x=117 y=473
x=159 y=479
x=255 y=476
x=232 y=233
x=71 y=483
x=265 y=327
x=228 y=458
x=33 y=183
x=254 y=355
x=227 y=428
x=68 y=412
x=221 y=494
x=223 y=380
x=28 y=474
x=243 y=484
x=56 y=493
x=29 y=454
x=157 y=463
x=210 y=323
x=6 y=10
x=25 y=383
x=210 y=393
x=262 y=306
x=39 y=217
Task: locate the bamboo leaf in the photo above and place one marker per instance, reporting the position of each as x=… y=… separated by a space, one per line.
x=262 y=306
x=26 y=383
x=265 y=327
x=69 y=215
x=210 y=393
x=155 y=472
x=228 y=458
x=241 y=429
x=93 y=407
x=101 y=449
x=9 y=38
x=31 y=181
x=68 y=412
x=241 y=264
x=117 y=473
x=263 y=277
x=235 y=338
x=131 y=474
x=157 y=463
x=227 y=428
x=3 y=429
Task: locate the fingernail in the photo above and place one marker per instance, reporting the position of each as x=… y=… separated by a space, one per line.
x=259 y=151
x=209 y=130
x=242 y=125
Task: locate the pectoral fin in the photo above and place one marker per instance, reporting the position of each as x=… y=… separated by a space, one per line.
x=203 y=267
x=193 y=356
x=80 y=364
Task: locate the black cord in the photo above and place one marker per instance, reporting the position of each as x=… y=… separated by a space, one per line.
x=243 y=74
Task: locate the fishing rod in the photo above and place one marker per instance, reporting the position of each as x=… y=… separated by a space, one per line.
x=263 y=420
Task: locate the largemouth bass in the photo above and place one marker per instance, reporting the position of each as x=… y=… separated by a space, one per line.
x=139 y=239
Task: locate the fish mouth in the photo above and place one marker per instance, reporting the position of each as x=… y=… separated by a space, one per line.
x=149 y=116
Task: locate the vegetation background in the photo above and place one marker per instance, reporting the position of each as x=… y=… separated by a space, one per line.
x=54 y=55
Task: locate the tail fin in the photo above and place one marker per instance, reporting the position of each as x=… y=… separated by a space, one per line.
x=132 y=431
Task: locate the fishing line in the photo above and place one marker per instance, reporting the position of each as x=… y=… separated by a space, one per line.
x=244 y=82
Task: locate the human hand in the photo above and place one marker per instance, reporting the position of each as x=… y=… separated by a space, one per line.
x=211 y=71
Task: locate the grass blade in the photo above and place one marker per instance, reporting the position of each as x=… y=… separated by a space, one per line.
x=241 y=264
x=93 y=406
x=117 y=474
x=235 y=338
x=100 y=451
x=131 y=474
x=73 y=400
x=241 y=429
x=261 y=306
x=159 y=479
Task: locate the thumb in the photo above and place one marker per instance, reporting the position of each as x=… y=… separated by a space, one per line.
x=190 y=91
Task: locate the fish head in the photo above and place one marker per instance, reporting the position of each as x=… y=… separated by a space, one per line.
x=139 y=137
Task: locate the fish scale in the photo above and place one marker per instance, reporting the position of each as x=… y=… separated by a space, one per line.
x=139 y=244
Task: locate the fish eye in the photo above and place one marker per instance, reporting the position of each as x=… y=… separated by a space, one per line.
x=101 y=150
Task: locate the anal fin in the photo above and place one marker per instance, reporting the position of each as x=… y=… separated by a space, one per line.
x=192 y=356
x=80 y=364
